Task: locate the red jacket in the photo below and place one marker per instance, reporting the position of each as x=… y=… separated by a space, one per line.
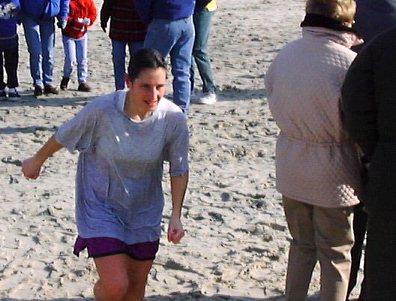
x=79 y=9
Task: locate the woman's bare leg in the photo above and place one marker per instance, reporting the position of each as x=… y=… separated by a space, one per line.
x=121 y=278
x=138 y=271
x=113 y=280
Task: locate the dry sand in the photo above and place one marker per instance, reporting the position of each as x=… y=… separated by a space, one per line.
x=237 y=239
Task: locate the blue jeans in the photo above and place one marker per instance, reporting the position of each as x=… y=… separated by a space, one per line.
x=175 y=38
x=202 y=23
x=40 y=40
x=76 y=50
x=119 y=55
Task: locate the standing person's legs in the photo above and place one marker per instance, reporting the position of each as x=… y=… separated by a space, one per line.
x=359 y=230
x=33 y=41
x=334 y=241
x=47 y=33
x=3 y=94
x=2 y=83
x=69 y=47
x=118 y=54
x=134 y=46
x=202 y=25
x=162 y=36
x=121 y=278
x=302 y=252
x=11 y=57
x=181 y=55
x=82 y=58
x=381 y=256
x=175 y=38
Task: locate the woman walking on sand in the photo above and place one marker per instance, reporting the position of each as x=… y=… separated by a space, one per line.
x=123 y=139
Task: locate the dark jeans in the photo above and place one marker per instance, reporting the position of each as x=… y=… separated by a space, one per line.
x=381 y=256
x=202 y=23
x=9 y=59
x=119 y=56
x=359 y=230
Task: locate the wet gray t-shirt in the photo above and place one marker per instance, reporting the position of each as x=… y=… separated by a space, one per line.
x=120 y=167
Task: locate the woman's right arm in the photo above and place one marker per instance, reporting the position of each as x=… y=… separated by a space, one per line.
x=31 y=167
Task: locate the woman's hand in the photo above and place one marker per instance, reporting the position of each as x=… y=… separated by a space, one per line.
x=31 y=168
x=175 y=230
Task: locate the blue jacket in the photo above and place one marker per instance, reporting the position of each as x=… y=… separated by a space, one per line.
x=8 y=27
x=35 y=8
x=374 y=16
x=160 y=9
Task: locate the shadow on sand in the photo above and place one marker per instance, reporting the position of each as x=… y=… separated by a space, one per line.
x=28 y=101
x=175 y=297
x=197 y=296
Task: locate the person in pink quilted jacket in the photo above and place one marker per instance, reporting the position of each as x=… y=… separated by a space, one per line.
x=317 y=165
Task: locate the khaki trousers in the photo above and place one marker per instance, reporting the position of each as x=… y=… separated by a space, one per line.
x=319 y=234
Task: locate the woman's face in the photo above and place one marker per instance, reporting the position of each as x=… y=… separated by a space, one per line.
x=147 y=89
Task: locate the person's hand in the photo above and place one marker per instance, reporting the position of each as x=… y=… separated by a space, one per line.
x=7 y=11
x=175 y=230
x=62 y=24
x=31 y=168
x=10 y=9
x=103 y=25
x=84 y=21
x=3 y=14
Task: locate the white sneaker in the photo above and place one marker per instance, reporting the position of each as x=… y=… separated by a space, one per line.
x=208 y=98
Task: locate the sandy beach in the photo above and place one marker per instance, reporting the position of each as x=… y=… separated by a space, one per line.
x=237 y=239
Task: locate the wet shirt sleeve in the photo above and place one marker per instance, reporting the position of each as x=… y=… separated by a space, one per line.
x=78 y=132
x=178 y=146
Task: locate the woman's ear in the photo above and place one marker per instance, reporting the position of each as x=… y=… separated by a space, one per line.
x=128 y=80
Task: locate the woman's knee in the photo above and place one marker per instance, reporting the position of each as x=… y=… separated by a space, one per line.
x=111 y=289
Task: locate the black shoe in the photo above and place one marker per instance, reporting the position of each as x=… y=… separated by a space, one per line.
x=38 y=91
x=64 y=83
x=3 y=95
x=48 y=89
x=84 y=87
x=14 y=95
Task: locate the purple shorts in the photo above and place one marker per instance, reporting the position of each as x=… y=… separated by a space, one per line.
x=105 y=246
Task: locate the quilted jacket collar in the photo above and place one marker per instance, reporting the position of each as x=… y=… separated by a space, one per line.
x=314 y=20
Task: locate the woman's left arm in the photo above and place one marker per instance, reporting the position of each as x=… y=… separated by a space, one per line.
x=178 y=191
x=177 y=155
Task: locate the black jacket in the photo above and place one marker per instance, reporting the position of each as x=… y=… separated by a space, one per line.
x=369 y=114
x=200 y=5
